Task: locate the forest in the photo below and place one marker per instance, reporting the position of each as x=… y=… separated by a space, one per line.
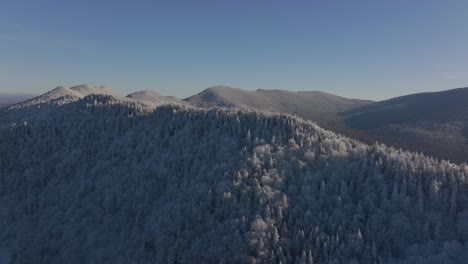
x=106 y=180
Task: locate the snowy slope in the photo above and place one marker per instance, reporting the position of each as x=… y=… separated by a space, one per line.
x=62 y=95
x=47 y=103
x=103 y=179
x=314 y=105
x=153 y=97
x=85 y=90
x=435 y=123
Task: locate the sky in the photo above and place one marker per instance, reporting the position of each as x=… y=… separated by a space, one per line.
x=360 y=49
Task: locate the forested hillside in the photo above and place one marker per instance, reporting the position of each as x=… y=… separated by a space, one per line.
x=435 y=123
x=100 y=179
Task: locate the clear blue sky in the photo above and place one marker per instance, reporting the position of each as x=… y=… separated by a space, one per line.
x=361 y=49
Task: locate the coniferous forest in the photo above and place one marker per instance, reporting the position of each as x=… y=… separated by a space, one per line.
x=100 y=179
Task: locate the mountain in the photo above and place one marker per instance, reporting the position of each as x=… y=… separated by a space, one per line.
x=153 y=97
x=435 y=123
x=61 y=95
x=107 y=179
x=13 y=98
x=30 y=109
x=318 y=106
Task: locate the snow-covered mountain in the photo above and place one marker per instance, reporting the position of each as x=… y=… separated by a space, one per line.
x=153 y=97
x=62 y=95
x=318 y=106
x=107 y=179
x=46 y=104
x=435 y=123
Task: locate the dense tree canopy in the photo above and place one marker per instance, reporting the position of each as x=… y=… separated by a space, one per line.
x=104 y=180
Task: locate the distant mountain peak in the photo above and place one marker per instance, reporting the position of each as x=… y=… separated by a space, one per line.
x=311 y=105
x=62 y=95
x=152 y=97
x=144 y=93
x=433 y=122
x=220 y=87
x=85 y=89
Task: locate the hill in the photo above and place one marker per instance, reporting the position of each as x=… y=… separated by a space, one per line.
x=432 y=123
x=318 y=106
x=153 y=97
x=435 y=123
x=104 y=179
x=62 y=95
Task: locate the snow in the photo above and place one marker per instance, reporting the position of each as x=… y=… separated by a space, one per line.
x=85 y=90
x=153 y=97
x=434 y=123
x=317 y=106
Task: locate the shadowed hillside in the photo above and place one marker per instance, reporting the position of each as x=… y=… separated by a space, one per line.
x=435 y=123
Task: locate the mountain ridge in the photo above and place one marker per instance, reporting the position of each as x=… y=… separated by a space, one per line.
x=152 y=97
x=318 y=106
x=433 y=122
